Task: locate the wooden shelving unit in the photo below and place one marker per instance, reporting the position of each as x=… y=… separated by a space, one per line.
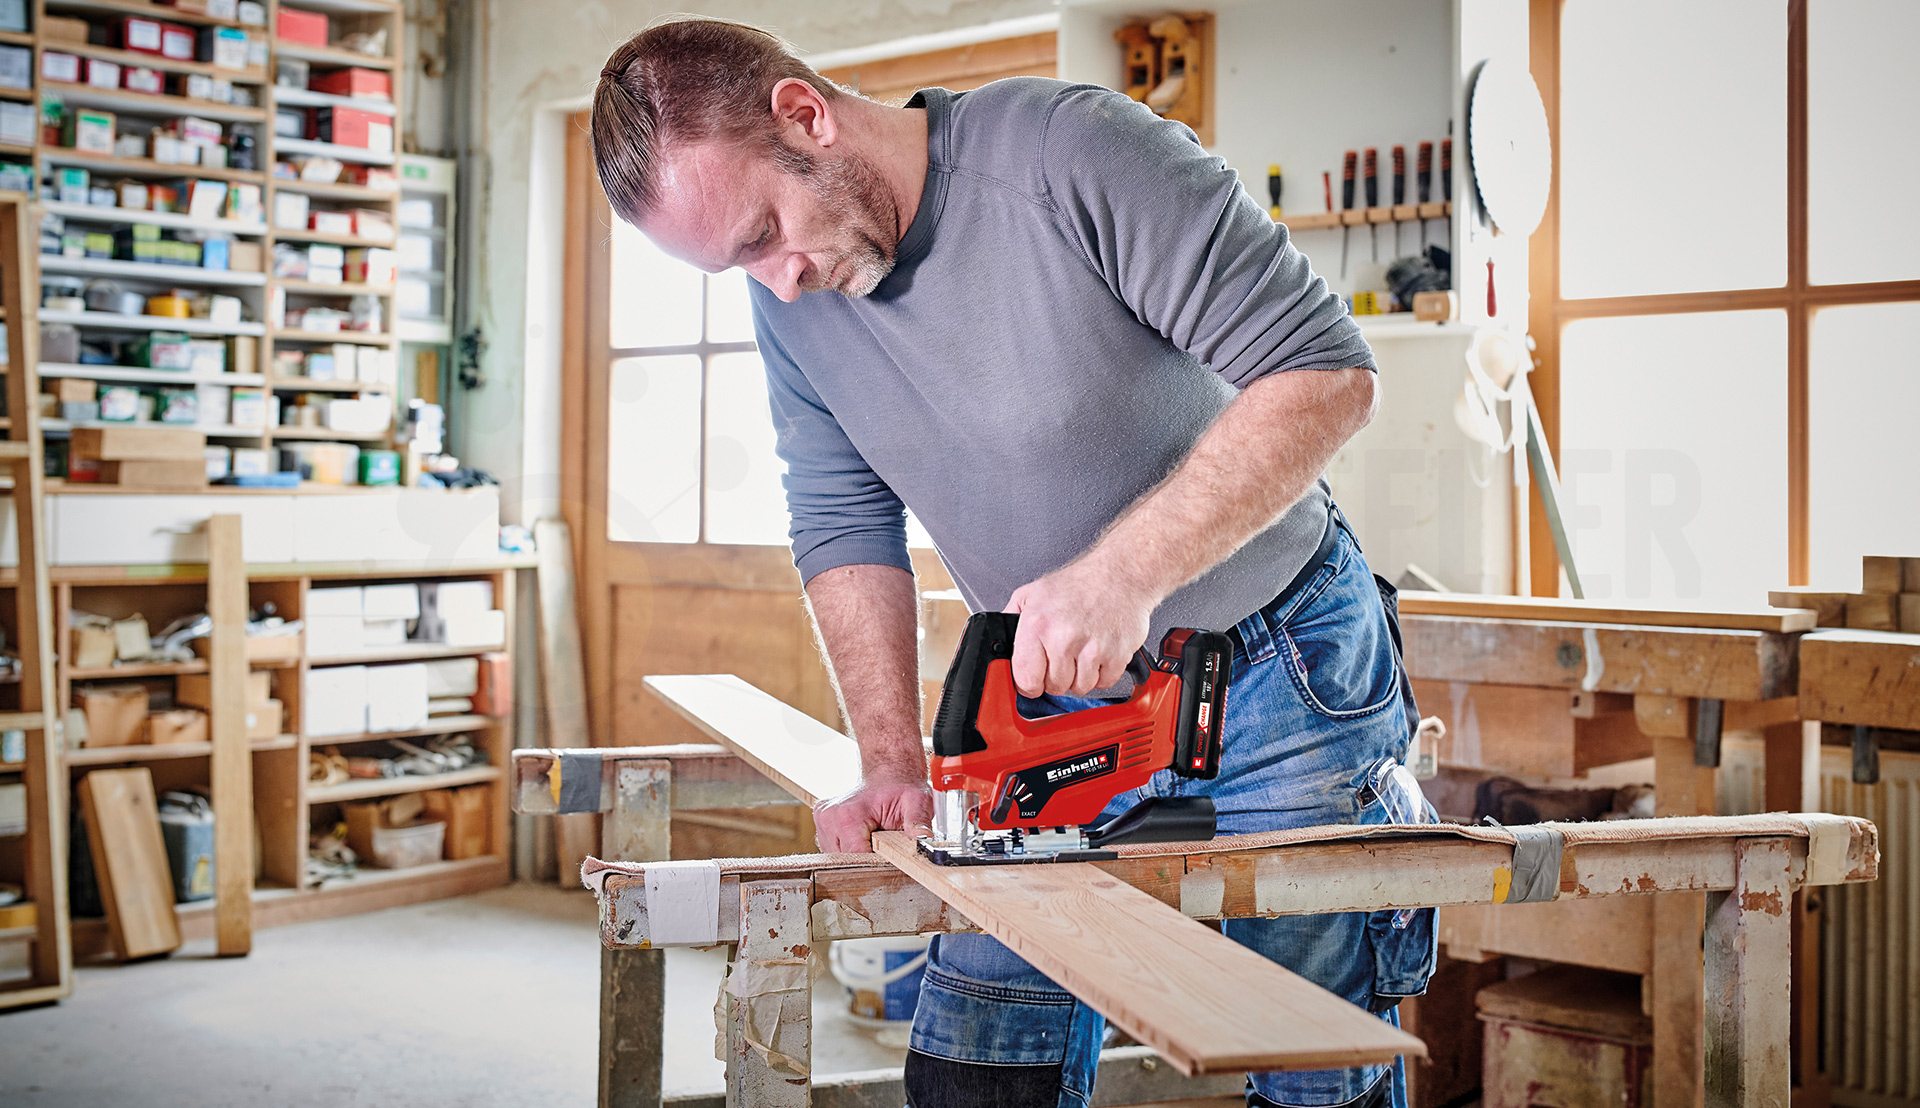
x=285 y=804
x=261 y=292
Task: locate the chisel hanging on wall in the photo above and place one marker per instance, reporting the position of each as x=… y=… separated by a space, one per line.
x=1425 y=168
x=1373 y=200
x=1347 y=168
x=1399 y=192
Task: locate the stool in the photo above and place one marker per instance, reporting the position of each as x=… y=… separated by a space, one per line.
x=1565 y=1037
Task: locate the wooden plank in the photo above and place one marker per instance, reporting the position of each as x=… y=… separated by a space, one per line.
x=1829 y=608
x=705 y=775
x=231 y=768
x=1548 y=732
x=802 y=755
x=1862 y=677
x=563 y=682
x=130 y=860
x=1673 y=661
x=1479 y=606
x=1202 y=1001
x=1748 y=1015
x=1614 y=933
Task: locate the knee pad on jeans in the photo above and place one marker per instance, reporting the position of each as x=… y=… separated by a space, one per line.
x=934 y=1082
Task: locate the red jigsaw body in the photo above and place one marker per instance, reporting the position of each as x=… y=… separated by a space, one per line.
x=1063 y=770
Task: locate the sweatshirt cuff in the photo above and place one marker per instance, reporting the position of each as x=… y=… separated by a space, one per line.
x=859 y=549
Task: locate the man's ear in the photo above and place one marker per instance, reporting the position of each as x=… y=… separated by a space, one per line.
x=800 y=110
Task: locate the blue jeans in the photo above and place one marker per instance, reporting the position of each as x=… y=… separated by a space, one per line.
x=1316 y=727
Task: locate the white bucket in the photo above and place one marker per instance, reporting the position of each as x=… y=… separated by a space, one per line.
x=881 y=976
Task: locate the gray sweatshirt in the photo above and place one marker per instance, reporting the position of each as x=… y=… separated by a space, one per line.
x=1081 y=292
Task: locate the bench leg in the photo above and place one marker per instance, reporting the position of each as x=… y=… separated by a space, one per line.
x=633 y=990
x=769 y=998
x=633 y=981
x=1749 y=957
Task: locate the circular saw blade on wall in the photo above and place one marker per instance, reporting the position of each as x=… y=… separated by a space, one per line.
x=1509 y=150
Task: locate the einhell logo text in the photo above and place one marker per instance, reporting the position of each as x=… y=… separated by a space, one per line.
x=1096 y=762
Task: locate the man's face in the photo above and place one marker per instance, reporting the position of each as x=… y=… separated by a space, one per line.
x=723 y=205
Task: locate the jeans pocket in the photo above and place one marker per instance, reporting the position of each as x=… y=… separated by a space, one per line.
x=1336 y=646
x=974 y=1021
x=1406 y=945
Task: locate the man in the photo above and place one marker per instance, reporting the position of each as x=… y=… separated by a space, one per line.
x=1107 y=385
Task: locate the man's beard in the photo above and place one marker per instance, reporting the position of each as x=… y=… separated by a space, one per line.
x=852 y=186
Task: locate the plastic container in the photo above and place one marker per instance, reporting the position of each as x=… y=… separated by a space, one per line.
x=881 y=976
x=186 y=825
x=406 y=847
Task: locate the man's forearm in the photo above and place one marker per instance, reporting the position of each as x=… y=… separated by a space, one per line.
x=866 y=617
x=1256 y=461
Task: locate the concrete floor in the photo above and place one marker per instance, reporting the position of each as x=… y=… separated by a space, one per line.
x=490 y=999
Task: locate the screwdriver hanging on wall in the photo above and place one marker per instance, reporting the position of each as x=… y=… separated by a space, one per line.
x=1347 y=168
x=1446 y=183
x=1399 y=192
x=1425 y=168
x=1273 y=189
x=1373 y=200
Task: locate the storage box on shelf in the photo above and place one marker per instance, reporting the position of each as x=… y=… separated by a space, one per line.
x=411 y=653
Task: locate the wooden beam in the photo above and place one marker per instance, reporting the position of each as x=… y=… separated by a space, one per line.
x=1202 y=1001
x=1672 y=661
x=705 y=775
x=563 y=682
x=799 y=753
x=130 y=860
x=1600 y=612
x=1861 y=677
x=231 y=767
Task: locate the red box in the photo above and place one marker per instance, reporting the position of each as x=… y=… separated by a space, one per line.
x=495 y=691
x=352 y=127
x=364 y=84
x=138 y=78
x=141 y=36
x=179 y=43
x=294 y=25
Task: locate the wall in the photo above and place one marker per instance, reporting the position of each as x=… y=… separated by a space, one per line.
x=534 y=61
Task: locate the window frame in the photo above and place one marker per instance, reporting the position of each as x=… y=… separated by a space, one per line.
x=1548 y=312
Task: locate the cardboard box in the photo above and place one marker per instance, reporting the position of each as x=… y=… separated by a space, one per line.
x=195 y=690
x=266 y=721
x=178 y=725
x=464 y=811
x=450 y=677
x=133 y=444
x=116 y=714
x=354 y=81
x=334 y=700
x=396 y=697
x=92 y=647
x=260 y=648
x=60 y=28
x=246 y=257
x=295 y=25
x=352 y=127
x=88 y=129
x=488 y=628
x=493 y=693
x=73 y=390
x=337 y=602
x=172 y=474
x=377 y=633
x=390 y=835
x=330 y=636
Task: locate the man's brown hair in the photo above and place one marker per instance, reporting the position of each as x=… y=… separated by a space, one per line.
x=689 y=79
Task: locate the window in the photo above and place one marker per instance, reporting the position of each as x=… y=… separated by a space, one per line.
x=1720 y=291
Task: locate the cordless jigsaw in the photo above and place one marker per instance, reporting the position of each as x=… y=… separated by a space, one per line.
x=1013 y=789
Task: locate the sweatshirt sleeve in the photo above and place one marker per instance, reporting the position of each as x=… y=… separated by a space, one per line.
x=842 y=512
x=1182 y=244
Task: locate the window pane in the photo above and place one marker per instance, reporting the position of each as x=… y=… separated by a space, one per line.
x=653 y=300
x=729 y=312
x=745 y=500
x=1861 y=76
x=653 y=450
x=1673 y=455
x=1863 y=388
x=1673 y=146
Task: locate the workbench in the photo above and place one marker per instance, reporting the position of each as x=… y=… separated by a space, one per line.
x=1743 y=870
x=1556 y=688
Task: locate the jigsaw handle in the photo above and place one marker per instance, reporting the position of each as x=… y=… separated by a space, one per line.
x=956 y=727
